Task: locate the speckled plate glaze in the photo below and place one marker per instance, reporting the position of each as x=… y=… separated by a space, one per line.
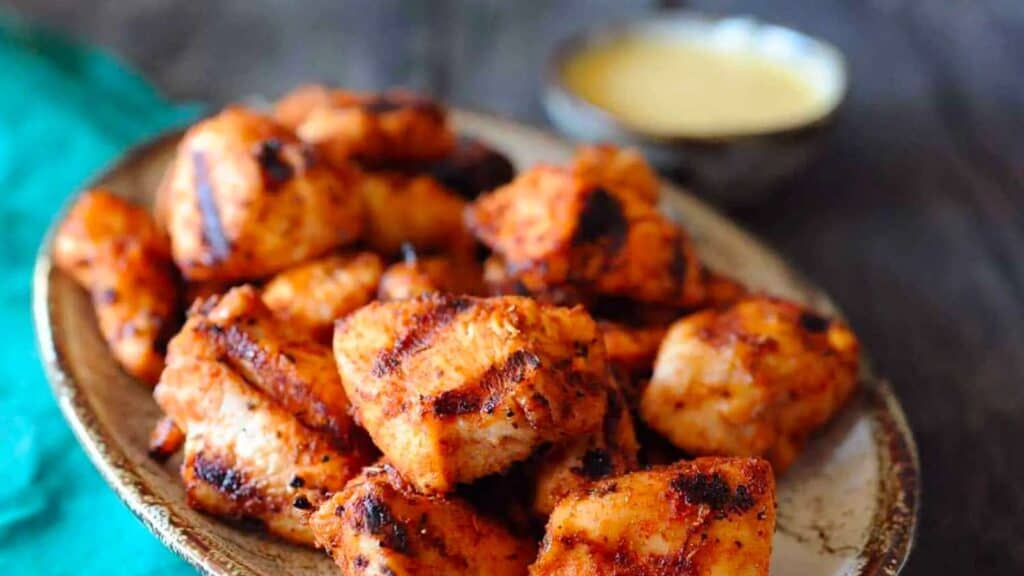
x=847 y=507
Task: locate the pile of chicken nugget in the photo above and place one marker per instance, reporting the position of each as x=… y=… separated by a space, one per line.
x=375 y=337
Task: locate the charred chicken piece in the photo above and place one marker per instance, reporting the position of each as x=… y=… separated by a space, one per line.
x=707 y=517
x=393 y=126
x=380 y=525
x=553 y=228
x=315 y=294
x=245 y=199
x=620 y=168
x=755 y=379
x=453 y=388
x=571 y=467
x=114 y=250
x=266 y=435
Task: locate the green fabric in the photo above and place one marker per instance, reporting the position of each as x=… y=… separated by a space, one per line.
x=65 y=111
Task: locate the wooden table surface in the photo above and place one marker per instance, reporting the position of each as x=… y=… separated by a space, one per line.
x=912 y=217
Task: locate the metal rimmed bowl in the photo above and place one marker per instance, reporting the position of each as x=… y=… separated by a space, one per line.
x=847 y=507
x=729 y=168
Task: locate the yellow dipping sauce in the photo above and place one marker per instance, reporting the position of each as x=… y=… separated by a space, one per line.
x=674 y=87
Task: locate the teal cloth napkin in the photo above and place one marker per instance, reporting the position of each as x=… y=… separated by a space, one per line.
x=65 y=111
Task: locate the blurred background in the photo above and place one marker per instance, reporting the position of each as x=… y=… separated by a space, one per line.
x=911 y=217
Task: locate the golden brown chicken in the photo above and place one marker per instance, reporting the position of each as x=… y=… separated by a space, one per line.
x=371 y=128
x=620 y=168
x=568 y=468
x=116 y=252
x=708 y=517
x=553 y=227
x=453 y=388
x=416 y=210
x=245 y=199
x=315 y=294
x=380 y=525
x=268 y=436
x=755 y=379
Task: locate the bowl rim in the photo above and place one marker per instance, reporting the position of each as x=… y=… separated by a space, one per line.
x=885 y=553
x=556 y=89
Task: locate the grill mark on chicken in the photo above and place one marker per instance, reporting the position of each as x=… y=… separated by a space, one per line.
x=212 y=228
x=244 y=353
x=377 y=519
x=222 y=477
x=274 y=168
x=419 y=336
x=489 y=388
x=601 y=218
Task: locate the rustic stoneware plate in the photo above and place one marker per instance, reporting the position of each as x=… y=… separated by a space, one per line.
x=847 y=507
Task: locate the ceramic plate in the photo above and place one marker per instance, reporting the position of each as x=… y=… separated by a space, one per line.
x=847 y=507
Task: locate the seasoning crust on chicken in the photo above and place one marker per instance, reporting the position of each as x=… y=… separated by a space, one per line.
x=245 y=199
x=114 y=250
x=379 y=525
x=248 y=453
x=755 y=379
x=453 y=388
x=315 y=294
x=706 y=517
x=554 y=227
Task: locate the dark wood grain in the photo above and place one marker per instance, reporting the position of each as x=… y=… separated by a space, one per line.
x=912 y=217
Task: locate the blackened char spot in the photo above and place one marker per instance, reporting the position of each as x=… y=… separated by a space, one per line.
x=220 y=476
x=596 y=464
x=275 y=169
x=472 y=168
x=213 y=230
x=302 y=503
x=440 y=312
x=489 y=388
x=713 y=491
x=378 y=520
x=601 y=218
x=813 y=322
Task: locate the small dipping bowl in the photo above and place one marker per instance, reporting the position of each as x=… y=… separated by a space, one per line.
x=734 y=166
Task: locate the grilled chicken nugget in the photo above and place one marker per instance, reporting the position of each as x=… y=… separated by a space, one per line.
x=380 y=525
x=755 y=379
x=245 y=199
x=708 y=517
x=396 y=125
x=610 y=451
x=452 y=388
x=115 y=250
x=250 y=452
x=295 y=371
x=553 y=227
x=416 y=210
x=314 y=294
x=620 y=168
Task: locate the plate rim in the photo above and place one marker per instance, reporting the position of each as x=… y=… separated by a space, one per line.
x=885 y=553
